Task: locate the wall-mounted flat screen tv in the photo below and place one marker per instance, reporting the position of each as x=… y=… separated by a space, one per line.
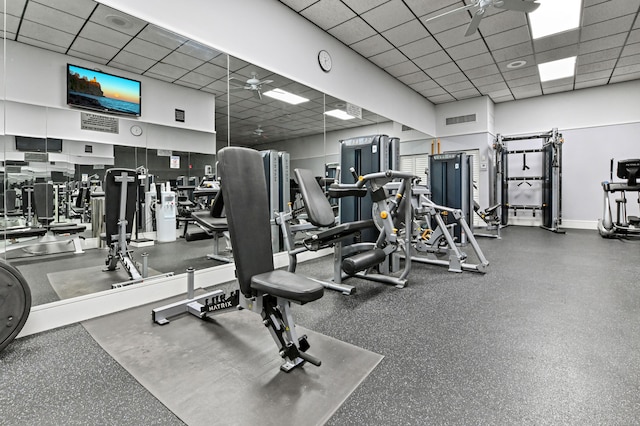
x=28 y=144
x=99 y=91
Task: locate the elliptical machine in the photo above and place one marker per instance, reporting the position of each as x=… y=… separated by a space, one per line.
x=624 y=225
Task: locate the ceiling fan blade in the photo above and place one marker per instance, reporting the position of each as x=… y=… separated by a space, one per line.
x=266 y=82
x=469 y=6
x=475 y=22
x=518 y=5
x=258 y=94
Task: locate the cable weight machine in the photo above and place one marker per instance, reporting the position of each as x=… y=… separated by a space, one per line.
x=551 y=178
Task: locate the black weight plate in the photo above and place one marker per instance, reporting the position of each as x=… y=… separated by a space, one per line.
x=15 y=303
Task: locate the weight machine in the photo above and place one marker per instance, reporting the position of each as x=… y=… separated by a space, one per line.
x=550 y=177
x=624 y=225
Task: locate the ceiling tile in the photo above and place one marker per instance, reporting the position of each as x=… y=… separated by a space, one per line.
x=555 y=54
x=371 y=46
x=198 y=50
x=436 y=23
x=625 y=77
x=80 y=8
x=495 y=24
x=47 y=35
x=634 y=36
x=404 y=68
x=15 y=7
x=524 y=81
x=591 y=83
x=514 y=52
x=183 y=61
x=602 y=43
x=492 y=88
x=197 y=79
x=482 y=71
x=556 y=41
x=136 y=61
x=557 y=89
x=126 y=67
x=406 y=33
x=460 y=86
x=453 y=78
x=508 y=38
x=608 y=10
x=98 y=33
x=475 y=61
x=488 y=80
x=147 y=49
x=441 y=99
x=388 y=15
x=442 y=70
x=93 y=48
x=499 y=99
x=599 y=56
x=433 y=92
x=42 y=44
x=421 y=7
x=631 y=49
x=298 y=5
x=527 y=91
x=629 y=60
x=352 y=31
x=473 y=48
x=117 y=20
x=420 y=47
x=162 y=37
x=454 y=37
x=627 y=69
x=361 y=6
x=167 y=70
x=425 y=85
x=13 y=23
x=432 y=60
x=593 y=76
x=525 y=71
x=45 y=15
x=607 y=28
x=596 y=66
x=388 y=58
x=328 y=13
x=212 y=71
x=465 y=94
x=87 y=56
x=412 y=78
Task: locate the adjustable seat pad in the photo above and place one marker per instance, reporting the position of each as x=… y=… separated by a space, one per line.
x=23 y=232
x=244 y=189
x=212 y=219
x=285 y=284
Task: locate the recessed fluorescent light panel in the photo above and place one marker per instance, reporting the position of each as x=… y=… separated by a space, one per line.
x=338 y=113
x=557 y=69
x=284 y=96
x=555 y=16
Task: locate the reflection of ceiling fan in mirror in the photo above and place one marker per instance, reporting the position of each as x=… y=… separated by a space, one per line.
x=259 y=132
x=253 y=83
x=481 y=6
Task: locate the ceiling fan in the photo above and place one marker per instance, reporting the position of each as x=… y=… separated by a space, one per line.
x=259 y=132
x=253 y=83
x=481 y=6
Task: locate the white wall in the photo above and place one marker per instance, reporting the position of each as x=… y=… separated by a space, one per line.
x=36 y=105
x=481 y=106
x=274 y=37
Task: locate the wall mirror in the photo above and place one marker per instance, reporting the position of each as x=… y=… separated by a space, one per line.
x=195 y=100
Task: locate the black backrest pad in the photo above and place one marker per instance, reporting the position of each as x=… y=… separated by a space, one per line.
x=244 y=189
x=43 y=200
x=217 y=205
x=316 y=204
x=112 y=191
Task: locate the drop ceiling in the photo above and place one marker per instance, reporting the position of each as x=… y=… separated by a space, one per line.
x=433 y=58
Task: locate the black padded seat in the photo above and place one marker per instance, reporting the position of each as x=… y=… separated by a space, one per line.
x=284 y=284
x=67 y=229
x=245 y=197
x=23 y=233
x=212 y=219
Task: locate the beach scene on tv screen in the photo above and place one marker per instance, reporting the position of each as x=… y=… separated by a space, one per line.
x=95 y=90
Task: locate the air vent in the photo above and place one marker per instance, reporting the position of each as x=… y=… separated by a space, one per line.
x=461 y=119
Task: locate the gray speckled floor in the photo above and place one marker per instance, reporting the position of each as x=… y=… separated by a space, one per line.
x=550 y=335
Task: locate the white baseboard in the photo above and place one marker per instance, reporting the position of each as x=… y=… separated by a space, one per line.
x=70 y=311
x=567 y=224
